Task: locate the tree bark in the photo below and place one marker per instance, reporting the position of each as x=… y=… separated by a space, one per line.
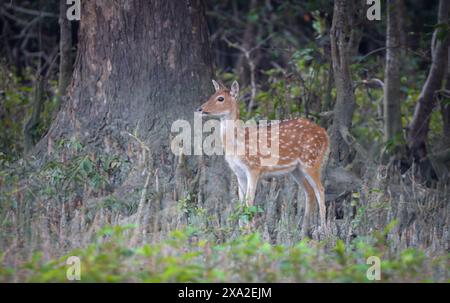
x=340 y=36
x=392 y=110
x=137 y=62
x=248 y=40
x=140 y=66
x=30 y=132
x=418 y=129
x=445 y=110
x=65 y=50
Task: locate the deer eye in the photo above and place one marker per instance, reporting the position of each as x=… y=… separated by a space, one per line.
x=220 y=99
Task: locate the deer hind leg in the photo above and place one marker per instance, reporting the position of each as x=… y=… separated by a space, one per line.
x=309 y=208
x=313 y=178
x=309 y=203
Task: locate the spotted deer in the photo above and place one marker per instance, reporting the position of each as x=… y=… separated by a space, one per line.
x=303 y=148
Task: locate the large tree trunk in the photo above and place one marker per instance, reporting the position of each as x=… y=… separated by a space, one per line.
x=391 y=109
x=418 y=129
x=341 y=47
x=139 y=61
x=141 y=65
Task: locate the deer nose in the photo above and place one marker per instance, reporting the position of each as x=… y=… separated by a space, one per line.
x=199 y=109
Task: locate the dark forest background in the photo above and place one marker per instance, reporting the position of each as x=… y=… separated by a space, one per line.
x=86 y=109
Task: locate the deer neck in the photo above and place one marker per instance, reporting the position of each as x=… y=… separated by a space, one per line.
x=227 y=123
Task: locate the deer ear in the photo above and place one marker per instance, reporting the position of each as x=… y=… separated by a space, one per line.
x=216 y=85
x=234 y=89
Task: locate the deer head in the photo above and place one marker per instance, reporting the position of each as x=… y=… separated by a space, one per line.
x=223 y=103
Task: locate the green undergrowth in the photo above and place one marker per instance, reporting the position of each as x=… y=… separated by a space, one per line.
x=184 y=257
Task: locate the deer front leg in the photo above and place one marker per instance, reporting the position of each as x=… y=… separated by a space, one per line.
x=252 y=183
x=242 y=184
x=242 y=180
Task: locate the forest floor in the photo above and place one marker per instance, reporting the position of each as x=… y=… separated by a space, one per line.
x=67 y=208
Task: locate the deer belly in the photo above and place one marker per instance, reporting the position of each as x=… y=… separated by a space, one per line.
x=280 y=170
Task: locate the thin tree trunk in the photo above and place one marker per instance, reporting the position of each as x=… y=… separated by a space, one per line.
x=340 y=36
x=418 y=129
x=445 y=110
x=65 y=50
x=248 y=40
x=391 y=109
x=31 y=127
x=30 y=131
